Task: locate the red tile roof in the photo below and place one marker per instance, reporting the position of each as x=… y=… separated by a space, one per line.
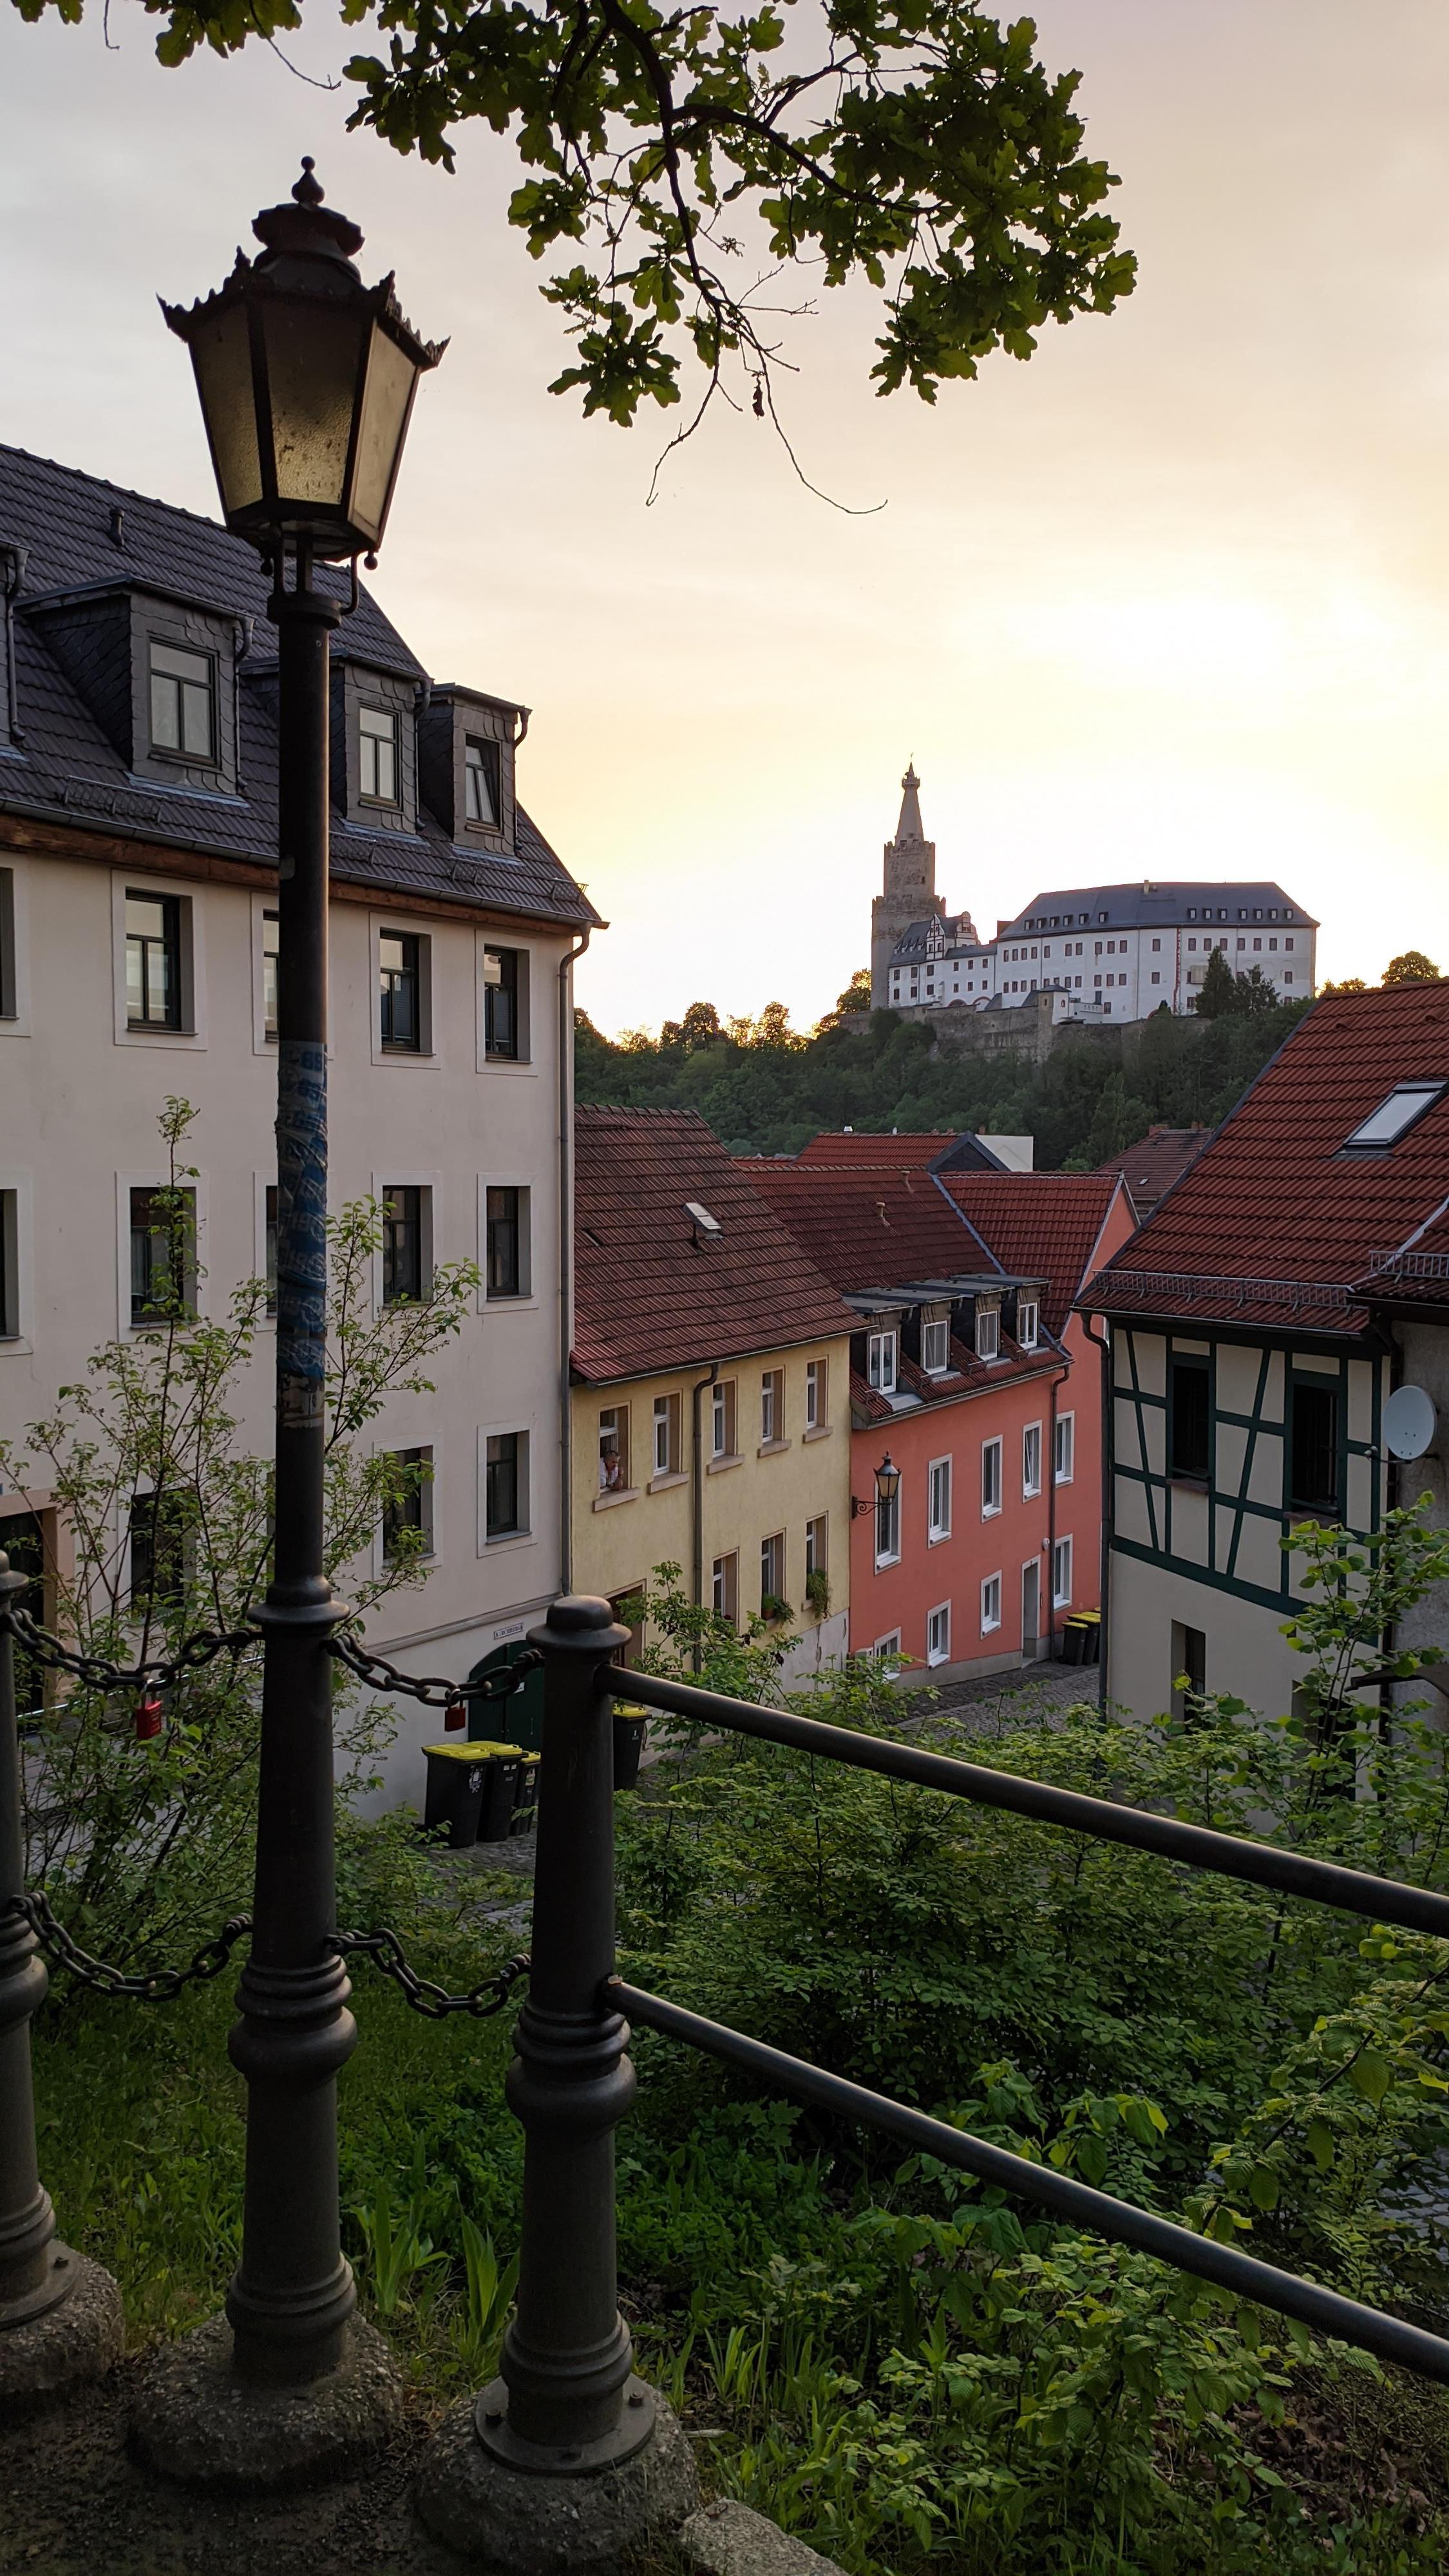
x=1412 y=1276
x=1159 y=1158
x=1273 y=1224
x=905 y=1153
x=645 y=1296
x=1042 y=1225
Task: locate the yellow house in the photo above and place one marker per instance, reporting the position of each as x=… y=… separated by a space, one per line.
x=710 y=1388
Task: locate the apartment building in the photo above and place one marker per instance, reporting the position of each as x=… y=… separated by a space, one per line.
x=138 y=758
x=711 y=1399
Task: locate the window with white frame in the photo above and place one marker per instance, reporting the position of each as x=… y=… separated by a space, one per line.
x=1028 y=1322
x=938 y=1634
x=988 y=1332
x=1064 y=1444
x=505 y=1485
x=773 y=1604
x=938 y=1500
x=888 y=1525
x=163 y=1256
x=772 y=1407
x=1031 y=1460
x=9 y=1265
x=506 y=1240
x=817 y=1546
x=9 y=962
x=722 y=1419
x=1061 y=1573
x=377 y=755
x=936 y=1346
x=887 y=1650
x=990 y=1604
x=409 y=1506
x=880 y=1361
x=667 y=1423
x=614 y=1449
x=817 y=1394
x=990 y=1478
x=724 y=1588
x=505 y=1004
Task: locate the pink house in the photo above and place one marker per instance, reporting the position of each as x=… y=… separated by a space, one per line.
x=975 y=1395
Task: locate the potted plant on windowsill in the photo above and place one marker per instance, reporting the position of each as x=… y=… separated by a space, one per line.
x=817 y=1591
x=774 y=1610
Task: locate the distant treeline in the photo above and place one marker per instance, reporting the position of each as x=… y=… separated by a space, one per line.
x=766 y=1089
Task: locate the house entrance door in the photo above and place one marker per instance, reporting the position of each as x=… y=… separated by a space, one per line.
x=1030 y=1611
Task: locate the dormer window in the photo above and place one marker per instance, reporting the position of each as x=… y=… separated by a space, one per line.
x=183 y=702
x=377 y=755
x=936 y=1346
x=1026 y=1322
x=988 y=1332
x=482 y=791
x=880 y=1362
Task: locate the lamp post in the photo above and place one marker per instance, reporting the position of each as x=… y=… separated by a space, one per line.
x=306 y=379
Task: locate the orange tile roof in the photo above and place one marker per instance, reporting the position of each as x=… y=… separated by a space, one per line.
x=844 y=1148
x=1042 y=1225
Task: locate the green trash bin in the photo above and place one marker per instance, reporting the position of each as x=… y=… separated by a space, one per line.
x=525 y=1794
x=455 y=1791
x=521 y=1712
x=502 y=1763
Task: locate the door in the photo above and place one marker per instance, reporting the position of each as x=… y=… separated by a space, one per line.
x=1031 y=1610
x=518 y=1719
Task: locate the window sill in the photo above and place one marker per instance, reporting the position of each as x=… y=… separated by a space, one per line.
x=773 y=1448
x=717 y=1466
x=1031 y=1493
x=883 y=1564
x=500 y=1539
x=937 y=1538
x=1189 y=1484
x=992 y=1628
x=667 y=1484
x=991 y=1511
x=1063 y=1480
x=510 y=1305
x=819 y=1431
x=609 y=1502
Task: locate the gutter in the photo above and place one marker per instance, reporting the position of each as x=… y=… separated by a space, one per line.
x=566 y=1257
x=1105 y=1569
x=696 y=1469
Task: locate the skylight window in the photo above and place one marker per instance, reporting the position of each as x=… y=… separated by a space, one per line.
x=1404 y=1107
x=707 y=1228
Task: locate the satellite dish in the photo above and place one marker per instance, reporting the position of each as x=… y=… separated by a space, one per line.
x=1410 y=1422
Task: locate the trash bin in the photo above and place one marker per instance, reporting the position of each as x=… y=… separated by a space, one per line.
x=455 y=1791
x=630 y=1728
x=501 y=1763
x=1091 y=1636
x=1074 y=1639
x=525 y=1794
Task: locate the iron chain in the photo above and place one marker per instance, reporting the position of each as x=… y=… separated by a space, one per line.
x=155 y=1985
x=434 y=1692
x=433 y=2001
x=98 y=1674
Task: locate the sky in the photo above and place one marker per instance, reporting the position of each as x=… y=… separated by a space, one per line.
x=1170 y=600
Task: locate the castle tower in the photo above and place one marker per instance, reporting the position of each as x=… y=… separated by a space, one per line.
x=909 y=889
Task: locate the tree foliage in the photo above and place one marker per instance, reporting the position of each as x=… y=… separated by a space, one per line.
x=678 y=161
x=1412 y=967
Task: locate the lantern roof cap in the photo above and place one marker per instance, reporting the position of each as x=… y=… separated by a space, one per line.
x=306 y=229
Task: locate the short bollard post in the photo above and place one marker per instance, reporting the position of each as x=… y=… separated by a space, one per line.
x=60 y=2316
x=567 y=2459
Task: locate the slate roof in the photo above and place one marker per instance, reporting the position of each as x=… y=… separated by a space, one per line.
x=1274 y=1225
x=1153 y=905
x=1159 y=1158
x=1044 y=1225
x=962 y=939
x=67 y=771
x=646 y=1295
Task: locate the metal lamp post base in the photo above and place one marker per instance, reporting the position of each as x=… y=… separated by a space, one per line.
x=560 y=2514
x=70 y=2329
x=196 y=2422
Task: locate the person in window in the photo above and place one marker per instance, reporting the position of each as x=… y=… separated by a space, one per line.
x=611 y=1465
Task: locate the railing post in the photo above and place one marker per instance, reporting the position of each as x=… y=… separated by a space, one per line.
x=517 y=2477
x=60 y=2315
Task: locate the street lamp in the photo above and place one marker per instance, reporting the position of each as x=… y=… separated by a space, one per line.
x=306 y=379
x=887 y=1486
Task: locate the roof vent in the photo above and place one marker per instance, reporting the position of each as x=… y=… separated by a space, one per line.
x=707 y=1228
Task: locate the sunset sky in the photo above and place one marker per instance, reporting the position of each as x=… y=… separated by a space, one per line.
x=1171 y=600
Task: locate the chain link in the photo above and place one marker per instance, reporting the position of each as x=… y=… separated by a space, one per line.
x=433 y=1691
x=98 y=1674
x=433 y=2001
x=155 y=1985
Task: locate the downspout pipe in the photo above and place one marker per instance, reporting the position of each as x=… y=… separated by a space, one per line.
x=566 y=1257
x=696 y=1468
x=1105 y=1575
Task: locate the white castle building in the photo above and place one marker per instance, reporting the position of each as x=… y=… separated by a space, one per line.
x=1103 y=952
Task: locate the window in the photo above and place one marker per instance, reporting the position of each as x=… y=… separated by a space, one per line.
x=1189 y=1667
x=400 y=988
x=270 y=939
x=817 y=1392
x=9 y=1265
x=936 y=1346
x=938 y=1500
x=990 y=1478
x=153 y=960
x=887 y=1650
x=183 y=703
x=1156 y=947
x=1404 y=1107
x=724 y=1588
x=163 y=1255
x=500 y=1003
x=880 y=1361
x=1061 y=1573
x=817 y=1546
x=1288 y=944
x=772 y=1576
x=505 y=1484
x=270 y=1253
x=1313 y=1463
x=1031 y=1460
x=377 y=756
x=667 y=1422
x=404 y=1265
x=990 y=1604
x=482 y=801
x=614 y=1449
x=158 y=1551
x=505 y=1240
x=772 y=1407
x=938 y=1634
x=1156 y=977
x=9 y=980
x=1189 y=1420
x=888 y=1527
x=409 y=1506
x=1064 y=1442
x=722 y=1419
x=1027 y=1322
x=988 y=1332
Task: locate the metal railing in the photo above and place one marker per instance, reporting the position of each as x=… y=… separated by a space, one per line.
x=1222 y=1288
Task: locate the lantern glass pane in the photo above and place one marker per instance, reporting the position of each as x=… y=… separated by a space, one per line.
x=390 y=378
x=221 y=355
x=312 y=356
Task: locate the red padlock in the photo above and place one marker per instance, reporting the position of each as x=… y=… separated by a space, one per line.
x=148 y=1716
x=455 y=1716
